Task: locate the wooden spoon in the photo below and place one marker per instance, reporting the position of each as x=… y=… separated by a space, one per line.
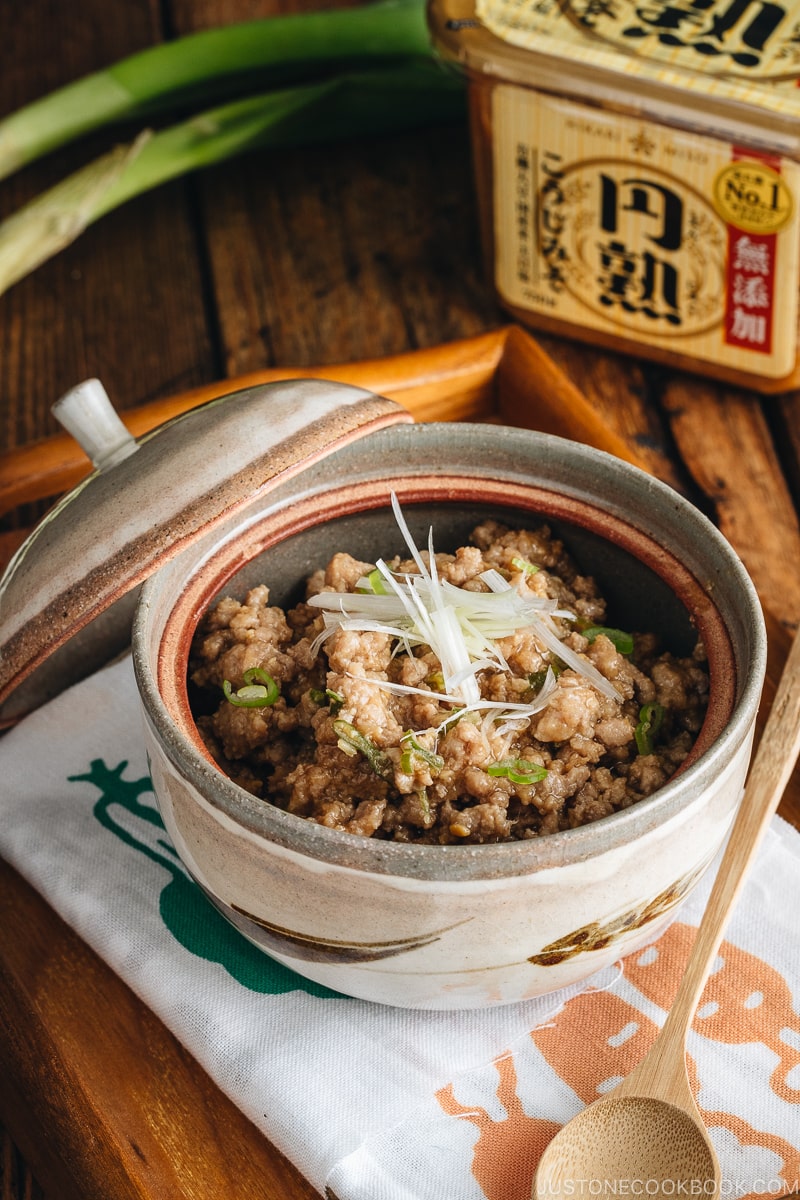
x=648 y=1132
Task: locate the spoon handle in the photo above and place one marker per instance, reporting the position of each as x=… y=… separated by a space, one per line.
x=769 y=774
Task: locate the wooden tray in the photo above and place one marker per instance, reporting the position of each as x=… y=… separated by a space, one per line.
x=502 y=376
x=99 y=1097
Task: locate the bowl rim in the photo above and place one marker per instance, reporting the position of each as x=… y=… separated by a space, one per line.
x=298 y=508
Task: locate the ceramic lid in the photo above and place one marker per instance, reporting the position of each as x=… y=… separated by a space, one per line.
x=67 y=597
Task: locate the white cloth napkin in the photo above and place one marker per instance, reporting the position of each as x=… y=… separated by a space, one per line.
x=377 y=1103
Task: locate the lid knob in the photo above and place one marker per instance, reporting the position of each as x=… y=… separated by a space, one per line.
x=86 y=412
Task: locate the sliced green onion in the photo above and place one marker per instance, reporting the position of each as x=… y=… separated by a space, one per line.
x=377 y=583
x=651 y=717
x=537 y=679
x=260 y=690
x=621 y=640
x=327 y=697
x=518 y=770
x=352 y=741
x=522 y=564
x=211 y=65
x=259 y=675
x=405 y=96
x=412 y=747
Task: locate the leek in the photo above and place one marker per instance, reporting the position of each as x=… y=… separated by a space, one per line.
x=352 y=741
x=214 y=64
x=651 y=718
x=413 y=748
x=260 y=690
x=518 y=770
x=402 y=96
x=621 y=641
x=460 y=626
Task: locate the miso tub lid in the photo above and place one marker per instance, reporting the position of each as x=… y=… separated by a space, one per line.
x=67 y=597
x=729 y=67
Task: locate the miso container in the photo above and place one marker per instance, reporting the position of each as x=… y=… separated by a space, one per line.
x=638 y=173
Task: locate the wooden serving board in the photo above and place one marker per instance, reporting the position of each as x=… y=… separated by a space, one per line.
x=100 y=1098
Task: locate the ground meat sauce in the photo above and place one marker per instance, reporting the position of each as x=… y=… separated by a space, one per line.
x=339 y=747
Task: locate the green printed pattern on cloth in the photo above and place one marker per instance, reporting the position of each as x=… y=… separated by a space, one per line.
x=187 y=913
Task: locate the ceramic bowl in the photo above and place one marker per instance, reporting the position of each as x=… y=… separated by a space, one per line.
x=457 y=926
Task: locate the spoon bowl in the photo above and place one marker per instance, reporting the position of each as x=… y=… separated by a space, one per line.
x=648 y=1131
x=638 y=1138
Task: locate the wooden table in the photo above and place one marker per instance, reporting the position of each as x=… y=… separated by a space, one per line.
x=288 y=259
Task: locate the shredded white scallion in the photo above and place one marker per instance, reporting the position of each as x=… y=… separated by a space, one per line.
x=507 y=712
x=461 y=627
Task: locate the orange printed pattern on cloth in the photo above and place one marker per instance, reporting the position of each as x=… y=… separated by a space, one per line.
x=505 y=1149
x=745 y=1000
x=599 y=1036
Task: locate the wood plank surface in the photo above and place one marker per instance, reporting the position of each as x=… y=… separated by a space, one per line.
x=625 y=396
x=293 y=259
x=126 y=301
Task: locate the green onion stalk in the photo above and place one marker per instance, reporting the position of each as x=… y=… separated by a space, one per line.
x=401 y=96
x=213 y=65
